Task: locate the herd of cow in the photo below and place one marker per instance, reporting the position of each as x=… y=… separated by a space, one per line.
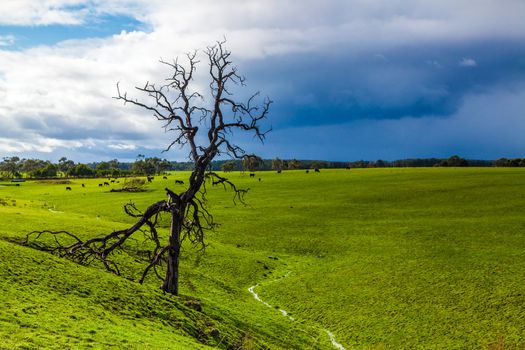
x=116 y=180
x=178 y=182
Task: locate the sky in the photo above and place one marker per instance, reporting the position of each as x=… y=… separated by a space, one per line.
x=350 y=79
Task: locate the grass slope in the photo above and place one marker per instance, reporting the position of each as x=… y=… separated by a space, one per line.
x=383 y=258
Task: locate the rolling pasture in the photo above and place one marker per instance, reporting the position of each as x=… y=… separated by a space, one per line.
x=378 y=258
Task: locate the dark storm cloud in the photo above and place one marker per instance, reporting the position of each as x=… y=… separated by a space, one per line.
x=487 y=126
x=421 y=80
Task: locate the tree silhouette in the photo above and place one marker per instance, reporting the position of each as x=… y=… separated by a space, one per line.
x=204 y=127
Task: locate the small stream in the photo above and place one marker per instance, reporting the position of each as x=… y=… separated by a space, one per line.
x=256 y=296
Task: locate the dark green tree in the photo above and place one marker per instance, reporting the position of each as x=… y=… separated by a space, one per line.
x=30 y=166
x=251 y=162
x=228 y=166
x=49 y=170
x=454 y=161
x=277 y=164
x=82 y=170
x=11 y=166
x=65 y=164
x=294 y=164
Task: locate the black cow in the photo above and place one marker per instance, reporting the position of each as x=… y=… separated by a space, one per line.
x=100 y=185
x=317 y=170
x=252 y=175
x=180 y=182
x=112 y=181
x=279 y=171
x=259 y=179
x=83 y=185
x=106 y=183
x=165 y=177
x=68 y=188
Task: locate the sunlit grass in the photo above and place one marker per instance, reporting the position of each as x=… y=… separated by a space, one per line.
x=383 y=258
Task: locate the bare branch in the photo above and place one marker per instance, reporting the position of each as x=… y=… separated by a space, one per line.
x=182 y=110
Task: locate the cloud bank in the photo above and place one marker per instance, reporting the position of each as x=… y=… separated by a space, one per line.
x=363 y=79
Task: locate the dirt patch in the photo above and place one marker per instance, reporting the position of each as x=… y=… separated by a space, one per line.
x=133 y=189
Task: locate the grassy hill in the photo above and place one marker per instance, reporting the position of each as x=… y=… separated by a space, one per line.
x=380 y=258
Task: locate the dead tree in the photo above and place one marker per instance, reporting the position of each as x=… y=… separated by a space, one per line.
x=202 y=126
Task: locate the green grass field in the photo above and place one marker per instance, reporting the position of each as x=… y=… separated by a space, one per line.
x=430 y=258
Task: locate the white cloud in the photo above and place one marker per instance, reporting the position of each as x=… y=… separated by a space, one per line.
x=123 y=146
x=6 y=40
x=41 y=12
x=467 y=62
x=37 y=144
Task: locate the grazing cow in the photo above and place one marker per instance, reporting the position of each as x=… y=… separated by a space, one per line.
x=83 y=185
x=317 y=170
x=252 y=175
x=165 y=177
x=100 y=185
x=150 y=178
x=180 y=182
x=118 y=181
x=18 y=185
x=68 y=188
x=259 y=179
x=112 y=181
x=279 y=171
x=106 y=183
x=307 y=171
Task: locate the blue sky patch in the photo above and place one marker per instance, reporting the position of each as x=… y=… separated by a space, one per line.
x=95 y=27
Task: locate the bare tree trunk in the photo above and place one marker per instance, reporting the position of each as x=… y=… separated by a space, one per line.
x=171 y=281
x=183 y=111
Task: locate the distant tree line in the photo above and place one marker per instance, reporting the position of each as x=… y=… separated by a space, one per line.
x=454 y=161
x=515 y=162
x=15 y=167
